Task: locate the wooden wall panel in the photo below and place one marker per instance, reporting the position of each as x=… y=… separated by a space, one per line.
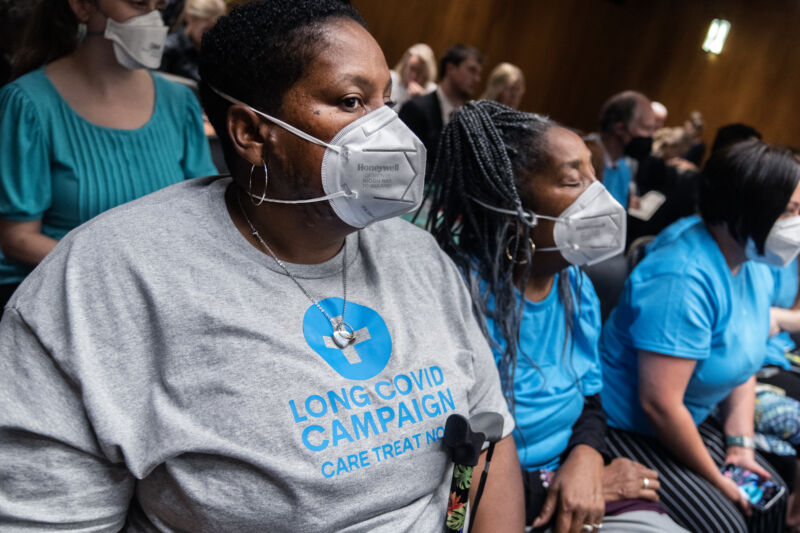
x=576 y=53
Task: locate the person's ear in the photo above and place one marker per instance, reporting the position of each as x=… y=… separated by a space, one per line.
x=83 y=9
x=250 y=135
x=621 y=131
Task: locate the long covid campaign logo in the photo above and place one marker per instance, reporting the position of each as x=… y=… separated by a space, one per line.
x=365 y=357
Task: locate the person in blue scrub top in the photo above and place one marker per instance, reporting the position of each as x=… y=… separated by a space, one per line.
x=688 y=335
x=778 y=395
x=784 y=317
x=500 y=212
x=86 y=127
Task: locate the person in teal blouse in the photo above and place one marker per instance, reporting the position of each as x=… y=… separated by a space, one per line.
x=688 y=335
x=88 y=127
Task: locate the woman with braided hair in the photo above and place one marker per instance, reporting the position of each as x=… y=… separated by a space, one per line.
x=518 y=208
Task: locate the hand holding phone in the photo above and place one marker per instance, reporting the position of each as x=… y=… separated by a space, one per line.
x=761 y=493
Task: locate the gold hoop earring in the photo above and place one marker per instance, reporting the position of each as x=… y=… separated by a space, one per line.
x=510 y=257
x=250 y=185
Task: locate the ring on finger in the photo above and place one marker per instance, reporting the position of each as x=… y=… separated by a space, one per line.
x=587 y=527
x=646 y=483
x=598 y=526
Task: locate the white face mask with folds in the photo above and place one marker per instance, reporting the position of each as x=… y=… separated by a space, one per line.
x=782 y=244
x=590 y=230
x=373 y=169
x=139 y=41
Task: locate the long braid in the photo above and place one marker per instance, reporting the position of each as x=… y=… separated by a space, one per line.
x=482 y=151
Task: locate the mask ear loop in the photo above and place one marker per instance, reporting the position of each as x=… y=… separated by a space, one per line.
x=250 y=185
x=529 y=218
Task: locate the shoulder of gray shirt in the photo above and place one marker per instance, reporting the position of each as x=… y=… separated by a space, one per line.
x=137 y=228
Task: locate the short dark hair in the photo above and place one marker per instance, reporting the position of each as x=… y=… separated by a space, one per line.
x=619 y=108
x=456 y=54
x=258 y=52
x=733 y=133
x=747 y=186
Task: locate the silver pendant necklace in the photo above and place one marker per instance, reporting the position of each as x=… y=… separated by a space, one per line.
x=343 y=334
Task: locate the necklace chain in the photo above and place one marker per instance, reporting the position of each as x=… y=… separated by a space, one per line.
x=337 y=326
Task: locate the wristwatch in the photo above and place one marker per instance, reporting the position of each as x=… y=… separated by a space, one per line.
x=742 y=441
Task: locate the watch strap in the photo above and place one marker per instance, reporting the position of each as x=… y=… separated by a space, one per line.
x=742 y=441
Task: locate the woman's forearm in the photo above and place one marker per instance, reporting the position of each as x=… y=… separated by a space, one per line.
x=786 y=319
x=738 y=408
x=28 y=247
x=502 y=505
x=677 y=432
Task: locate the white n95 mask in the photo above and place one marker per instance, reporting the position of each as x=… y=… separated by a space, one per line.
x=782 y=244
x=139 y=41
x=373 y=169
x=590 y=230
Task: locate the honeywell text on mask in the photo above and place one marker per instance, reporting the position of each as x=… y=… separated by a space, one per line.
x=378 y=168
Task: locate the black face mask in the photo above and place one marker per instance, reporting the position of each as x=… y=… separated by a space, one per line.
x=639 y=148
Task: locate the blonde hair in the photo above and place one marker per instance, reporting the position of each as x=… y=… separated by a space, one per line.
x=502 y=76
x=424 y=52
x=670 y=138
x=205 y=9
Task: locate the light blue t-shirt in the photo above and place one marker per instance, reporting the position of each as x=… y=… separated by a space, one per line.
x=550 y=382
x=57 y=167
x=618 y=180
x=683 y=301
x=786 y=284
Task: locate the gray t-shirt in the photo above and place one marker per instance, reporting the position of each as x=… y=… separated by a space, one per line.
x=157 y=372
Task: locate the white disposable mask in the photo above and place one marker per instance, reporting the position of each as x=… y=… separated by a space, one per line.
x=590 y=230
x=139 y=41
x=373 y=169
x=782 y=244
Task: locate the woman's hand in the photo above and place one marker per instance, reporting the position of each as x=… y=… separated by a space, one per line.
x=576 y=494
x=24 y=241
x=731 y=491
x=625 y=479
x=415 y=89
x=745 y=457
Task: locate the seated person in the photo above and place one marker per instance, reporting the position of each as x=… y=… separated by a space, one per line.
x=733 y=133
x=500 y=216
x=781 y=366
x=414 y=75
x=72 y=147
x=694 y=128
x=777 y=416
x=670 y=144
x=460 y=71
x=689 y=333
x=261 y=351
x=506 y=85
x=182 y=49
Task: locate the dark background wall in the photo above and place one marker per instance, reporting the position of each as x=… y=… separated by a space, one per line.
x=576 y=53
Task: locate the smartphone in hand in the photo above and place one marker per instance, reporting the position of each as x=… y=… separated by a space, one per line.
x=761 y=493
